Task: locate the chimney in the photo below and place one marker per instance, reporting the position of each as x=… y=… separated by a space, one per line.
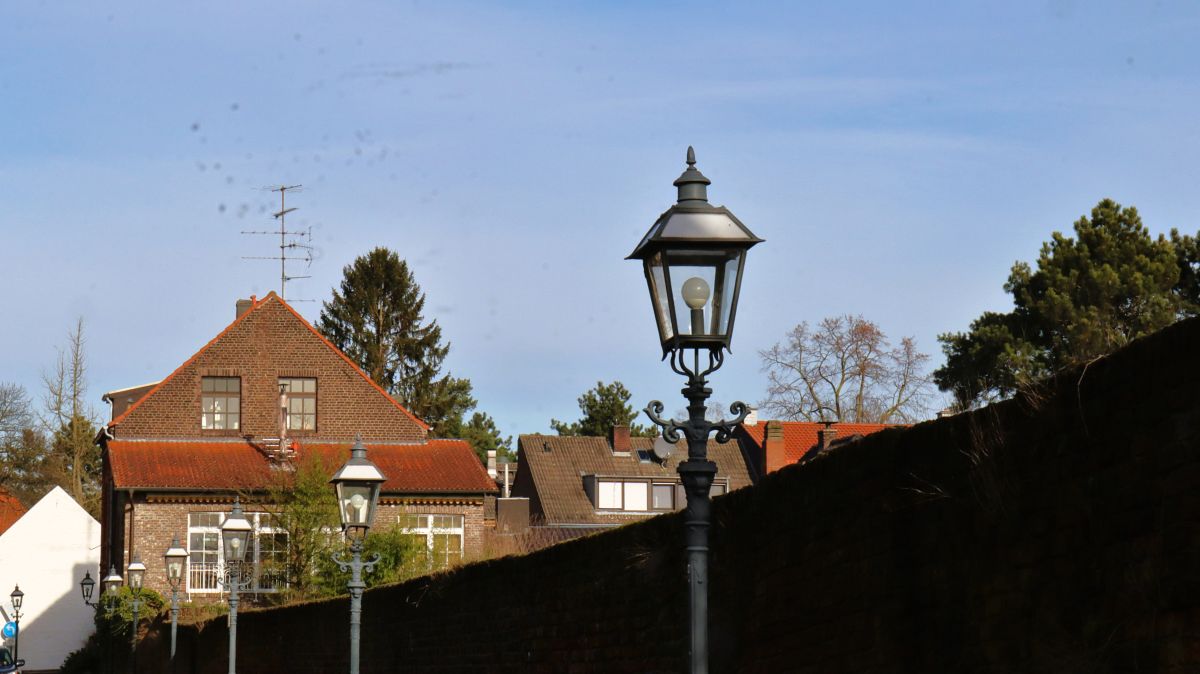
x=826 y=435
x=491 y=456
x=775 y=453
x=243 y=306
x=752 y=418
x=620 y=440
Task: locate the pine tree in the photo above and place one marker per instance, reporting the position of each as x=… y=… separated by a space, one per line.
x=604 y=406
x=1090 y=295
x=376 y=319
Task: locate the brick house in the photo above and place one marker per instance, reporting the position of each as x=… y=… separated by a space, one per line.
x=260 y=396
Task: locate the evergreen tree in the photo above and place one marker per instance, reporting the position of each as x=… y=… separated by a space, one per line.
x=604 y=406
x=376 y=320
x=1090 y=294
x=483 y=435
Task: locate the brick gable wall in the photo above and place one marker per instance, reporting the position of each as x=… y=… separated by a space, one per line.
x=271 y=342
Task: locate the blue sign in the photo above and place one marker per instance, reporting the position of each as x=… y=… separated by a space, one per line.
x=10 y=630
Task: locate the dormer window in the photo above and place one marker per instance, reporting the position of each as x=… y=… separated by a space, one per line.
x=220 y=403
x=301 y=395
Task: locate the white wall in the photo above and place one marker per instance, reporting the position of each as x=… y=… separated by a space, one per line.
x=46 y=552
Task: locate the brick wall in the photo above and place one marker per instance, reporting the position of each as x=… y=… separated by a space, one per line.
x=268 y=343
x=1059 y=532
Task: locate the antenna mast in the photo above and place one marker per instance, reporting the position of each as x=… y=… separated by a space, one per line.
x=303 y=244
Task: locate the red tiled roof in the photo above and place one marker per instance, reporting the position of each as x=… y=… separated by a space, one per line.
x=801 y=436
x=258 y=303
x=433 y=467
x=11 y=510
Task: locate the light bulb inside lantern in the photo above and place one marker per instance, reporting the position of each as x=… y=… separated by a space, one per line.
x=695 y=292
x=357 y=503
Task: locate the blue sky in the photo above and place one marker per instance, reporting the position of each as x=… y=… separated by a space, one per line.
x=897 y=158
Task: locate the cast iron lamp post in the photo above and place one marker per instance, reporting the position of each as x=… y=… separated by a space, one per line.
x=174 y=558
x=18 y=598
x=108 y=596
x=357 y=485
x=693 y=257
x=137 y=573
x=235 y=537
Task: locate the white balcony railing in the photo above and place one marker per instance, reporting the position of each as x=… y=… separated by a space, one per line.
x=206 y=577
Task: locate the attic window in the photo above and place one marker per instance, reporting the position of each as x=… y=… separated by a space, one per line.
x=220 y=403
x=301 y=402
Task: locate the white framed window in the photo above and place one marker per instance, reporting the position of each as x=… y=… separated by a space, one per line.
x=635 y=496
x=206 y=556
x=220 y=403
x=440 y=535
x=301 y=402
x=608 y=495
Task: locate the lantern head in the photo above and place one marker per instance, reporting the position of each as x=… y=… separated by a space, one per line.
x=235 y=534
x=694 y=256
x=357 y=485
x=174 y=558
x=137 y=573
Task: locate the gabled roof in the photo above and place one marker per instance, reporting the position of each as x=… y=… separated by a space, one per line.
x=255 y=307
x=801 y=436
x=555 y=467
x=432 y=467
x=11 y=510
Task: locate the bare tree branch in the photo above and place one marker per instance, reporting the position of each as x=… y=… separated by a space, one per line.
x=845 y=370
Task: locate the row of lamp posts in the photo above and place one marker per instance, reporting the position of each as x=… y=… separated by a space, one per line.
x=693 y=257
x=356 y=485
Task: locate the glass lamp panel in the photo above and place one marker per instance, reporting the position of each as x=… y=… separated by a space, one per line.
x=137 y=572
x=175 y=569
x=356 y=504
x=656 y=276
x=236 y=543
x=725 y=293
x=685 y=266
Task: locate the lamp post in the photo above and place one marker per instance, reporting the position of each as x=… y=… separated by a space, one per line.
x=235 y=538
x=18 y=598
x=174 y=558
x=693 y=256
x=108 y=595
x=356 y=485
x=137 y=573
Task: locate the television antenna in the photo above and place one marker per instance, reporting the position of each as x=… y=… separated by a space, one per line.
x=294 y=245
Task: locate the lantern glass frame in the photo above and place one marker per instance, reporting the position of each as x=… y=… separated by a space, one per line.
x=87 y=587
x=137 y=574
x=17 y=597
x=356 y=486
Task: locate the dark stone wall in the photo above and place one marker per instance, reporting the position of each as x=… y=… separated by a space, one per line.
x=1056 y=532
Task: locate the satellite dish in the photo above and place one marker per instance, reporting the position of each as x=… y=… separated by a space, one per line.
x=662 y=449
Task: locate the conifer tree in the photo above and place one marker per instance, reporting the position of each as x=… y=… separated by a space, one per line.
x=1090 y=294
x=376 y=319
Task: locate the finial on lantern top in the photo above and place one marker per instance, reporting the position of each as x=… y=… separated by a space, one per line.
x=692 y=183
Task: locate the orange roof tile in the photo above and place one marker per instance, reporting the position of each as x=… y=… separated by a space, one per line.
x=11 y=510
x=433 y=467
x=801 y=436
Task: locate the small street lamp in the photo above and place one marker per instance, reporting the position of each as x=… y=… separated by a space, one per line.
x=356 y=485
x=235 y=538
x=174 y=558
x=108 y=596
x=694 y=255
x=18 y=598
x=137 y=573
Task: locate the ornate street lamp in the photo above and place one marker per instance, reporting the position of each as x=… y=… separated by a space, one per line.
x=174 y=558
x=112 y=582
x=356 y=485
x=137 y=573
x=18 y=598
x=694 y=256
x=235 y=538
